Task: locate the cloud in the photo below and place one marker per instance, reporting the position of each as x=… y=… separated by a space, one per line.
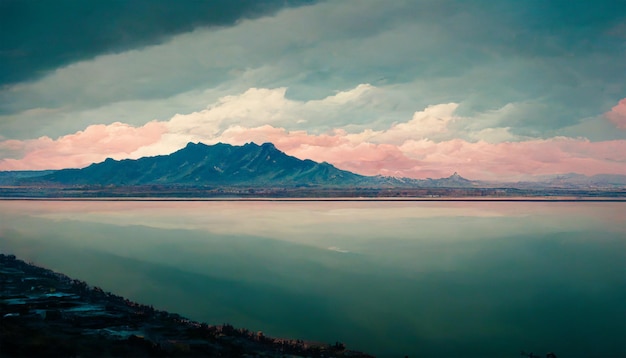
x=39 y=36
x=519 y=160
x=405 y=149
x=259 y=106
x=433 y=120
x=255 y=106
x=617 y=115
x=426 y=158
x=416 y=53
x=426 y=145
x=94 y=144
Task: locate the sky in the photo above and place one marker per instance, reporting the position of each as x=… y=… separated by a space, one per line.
x=494 y=90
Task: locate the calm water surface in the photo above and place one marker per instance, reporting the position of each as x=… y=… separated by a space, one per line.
x=436 y=279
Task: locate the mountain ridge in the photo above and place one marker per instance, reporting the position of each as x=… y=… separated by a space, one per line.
x=201 y=164
x=254 y=165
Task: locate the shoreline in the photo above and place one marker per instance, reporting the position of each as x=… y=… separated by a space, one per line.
x=328 y=199
x=45 y=313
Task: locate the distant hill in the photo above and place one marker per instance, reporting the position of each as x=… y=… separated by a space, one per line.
x=575 y=180
x=14 y=177
x=201 y=164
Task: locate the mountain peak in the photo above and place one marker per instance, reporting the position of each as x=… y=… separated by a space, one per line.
x=456 y=176
x=455 y=179
x=196 y=145
x=264 y=145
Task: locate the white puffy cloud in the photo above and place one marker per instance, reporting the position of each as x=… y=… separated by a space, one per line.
x=424 y=145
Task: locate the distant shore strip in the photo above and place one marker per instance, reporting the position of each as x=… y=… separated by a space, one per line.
x=330 y=199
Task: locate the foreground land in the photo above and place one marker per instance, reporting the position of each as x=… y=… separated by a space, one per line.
x=47 y=314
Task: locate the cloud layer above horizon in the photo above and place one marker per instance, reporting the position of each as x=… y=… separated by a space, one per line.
x=496 y=91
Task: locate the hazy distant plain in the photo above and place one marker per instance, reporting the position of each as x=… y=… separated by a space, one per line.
x=391 y=278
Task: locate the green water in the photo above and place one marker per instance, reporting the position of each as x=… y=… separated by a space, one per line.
x=423 y=279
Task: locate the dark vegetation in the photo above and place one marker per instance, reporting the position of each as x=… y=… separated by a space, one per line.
x=313 y=192
x=47 y=314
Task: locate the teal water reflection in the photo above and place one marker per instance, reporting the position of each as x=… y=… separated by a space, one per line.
x=436 y=279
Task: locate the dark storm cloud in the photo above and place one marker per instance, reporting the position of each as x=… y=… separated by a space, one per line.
x=38 y=36
x=534 y=67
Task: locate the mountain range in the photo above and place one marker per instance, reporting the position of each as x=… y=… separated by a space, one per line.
x=252 y=165
x=199 y=164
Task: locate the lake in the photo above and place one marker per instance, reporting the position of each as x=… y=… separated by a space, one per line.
x=392 y=278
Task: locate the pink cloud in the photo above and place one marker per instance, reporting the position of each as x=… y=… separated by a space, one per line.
x=94 y=144
x=338 y=147
x=416 y=158
x=280 y=137
x=617 y=114
x=520 y=160
x=426 y=158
